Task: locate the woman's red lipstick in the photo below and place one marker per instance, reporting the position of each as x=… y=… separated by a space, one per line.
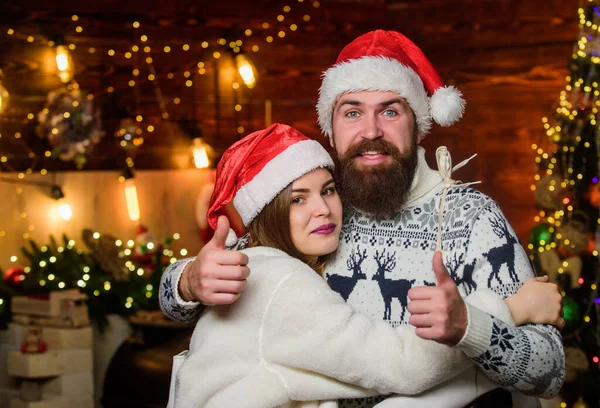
x=325 y=229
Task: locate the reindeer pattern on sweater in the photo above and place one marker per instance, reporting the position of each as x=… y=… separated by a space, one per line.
x=385 y=259
x=379 y=261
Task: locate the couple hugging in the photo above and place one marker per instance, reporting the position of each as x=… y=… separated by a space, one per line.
x=414 y=293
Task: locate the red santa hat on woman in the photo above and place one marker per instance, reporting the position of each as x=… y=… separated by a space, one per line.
x=255 y=169
x=388 y=61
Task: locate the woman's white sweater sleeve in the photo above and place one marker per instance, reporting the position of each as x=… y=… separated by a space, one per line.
x=308 y=332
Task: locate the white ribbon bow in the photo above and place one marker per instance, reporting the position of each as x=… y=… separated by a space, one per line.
x=444 y=162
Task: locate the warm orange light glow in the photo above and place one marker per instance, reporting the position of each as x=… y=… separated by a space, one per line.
x=64 y=210
x=246 y=70
x=202 y=153
x=64 y=63
x=133 y=206
x=4 y=96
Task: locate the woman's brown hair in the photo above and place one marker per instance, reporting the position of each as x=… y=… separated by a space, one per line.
x=271 y=228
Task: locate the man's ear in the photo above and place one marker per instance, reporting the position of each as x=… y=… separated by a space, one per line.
x=331 y=143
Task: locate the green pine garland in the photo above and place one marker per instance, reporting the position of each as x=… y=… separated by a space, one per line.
x=65 y=266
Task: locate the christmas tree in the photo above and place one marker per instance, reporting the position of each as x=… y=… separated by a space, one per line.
x=565 y=241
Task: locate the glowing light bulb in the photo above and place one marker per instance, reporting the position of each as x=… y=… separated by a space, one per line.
x=64 y=63
x=133 y=206
x=202 y=152
x=246 y=70
x=4 y=96
x=64 y=210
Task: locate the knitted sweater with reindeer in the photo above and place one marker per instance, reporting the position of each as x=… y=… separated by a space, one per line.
x=379 y=261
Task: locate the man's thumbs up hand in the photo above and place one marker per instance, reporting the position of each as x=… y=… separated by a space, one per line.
x=441 y=273
x=217 y=276
x=220 y=236
x=438 y=312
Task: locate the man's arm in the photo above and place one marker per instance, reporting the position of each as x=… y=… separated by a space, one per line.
x=171 y=303
x=490 y=302
x=217 y=276
x=530 y=358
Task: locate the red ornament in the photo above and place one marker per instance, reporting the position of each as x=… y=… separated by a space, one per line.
x=593 y=195
x=13 y=275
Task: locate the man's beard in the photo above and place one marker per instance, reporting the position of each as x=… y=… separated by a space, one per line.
x=379 y=190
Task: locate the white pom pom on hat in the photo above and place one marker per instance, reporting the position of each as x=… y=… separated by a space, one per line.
x=447 y=105
x=388 y=61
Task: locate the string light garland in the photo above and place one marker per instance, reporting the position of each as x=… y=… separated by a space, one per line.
x=215 y=48
x=249 y=40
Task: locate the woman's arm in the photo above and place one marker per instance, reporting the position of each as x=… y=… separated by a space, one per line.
x=310 y=336
x=537 y=302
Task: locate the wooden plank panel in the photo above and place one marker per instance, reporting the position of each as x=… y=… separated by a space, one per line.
x=167 y=203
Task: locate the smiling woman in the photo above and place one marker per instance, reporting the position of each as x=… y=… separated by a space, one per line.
x=315 y=215
x=304 y=220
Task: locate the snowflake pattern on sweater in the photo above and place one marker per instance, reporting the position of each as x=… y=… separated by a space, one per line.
x=169 y=300
x=379 y=261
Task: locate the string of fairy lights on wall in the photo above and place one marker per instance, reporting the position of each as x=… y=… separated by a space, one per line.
x=549 y=182
x=143 y=52
x=66 y=70
x=220 y=46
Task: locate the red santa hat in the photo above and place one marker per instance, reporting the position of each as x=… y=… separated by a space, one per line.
x=388 y=61
x=255 y=169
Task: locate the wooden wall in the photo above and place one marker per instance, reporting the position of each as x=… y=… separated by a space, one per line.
x=168 y=202
x=508 y=57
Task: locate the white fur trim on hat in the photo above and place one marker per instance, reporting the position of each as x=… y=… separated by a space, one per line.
x=447 y=105
x=372 y=74
x=294 y=162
